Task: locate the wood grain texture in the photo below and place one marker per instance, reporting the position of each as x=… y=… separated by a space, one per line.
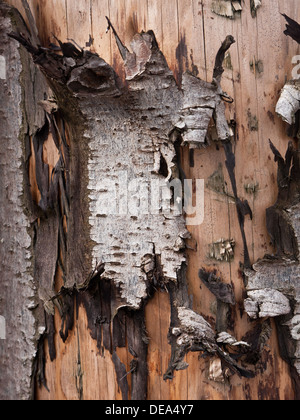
x=189 y=34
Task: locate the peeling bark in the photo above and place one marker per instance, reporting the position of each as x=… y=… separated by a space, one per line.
x=289 y=102
x=107 y=108
x=266 y=303
x=113 y=250
x=113 y=241
x=273 y=285
x=194 y=333
x=288 y=105
x=227 y=8
x=255 y=5
x=190 y=332
x=292 y=28
x=20 y=118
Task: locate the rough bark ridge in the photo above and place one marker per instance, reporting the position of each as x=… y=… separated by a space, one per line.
x=273 y=285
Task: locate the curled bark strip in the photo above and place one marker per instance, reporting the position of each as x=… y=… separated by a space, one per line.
x=219 y=70
x=289 y=102
x=194 y=333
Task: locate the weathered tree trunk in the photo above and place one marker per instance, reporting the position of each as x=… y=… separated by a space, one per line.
x=20 y=118
x=116 y=282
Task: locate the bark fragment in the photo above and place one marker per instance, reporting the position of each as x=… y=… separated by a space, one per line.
x=19 y=295
x=288 y=105
x=255 y=5
x=226 y=338
x=289 y=102
x=222 y=250
x=194 y=333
